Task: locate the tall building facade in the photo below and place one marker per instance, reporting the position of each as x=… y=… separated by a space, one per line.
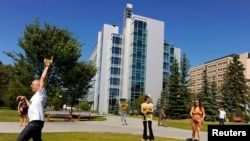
x=130 y=64
x=215 y=70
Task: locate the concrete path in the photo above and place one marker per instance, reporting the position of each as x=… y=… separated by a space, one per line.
x=112 y=124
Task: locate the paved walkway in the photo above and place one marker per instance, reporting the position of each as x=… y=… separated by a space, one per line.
x=112 y=124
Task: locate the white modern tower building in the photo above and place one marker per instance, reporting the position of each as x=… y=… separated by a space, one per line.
x=130 y=64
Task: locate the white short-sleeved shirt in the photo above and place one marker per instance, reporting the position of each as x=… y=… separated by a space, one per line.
x=37 y=104
x=222 y=114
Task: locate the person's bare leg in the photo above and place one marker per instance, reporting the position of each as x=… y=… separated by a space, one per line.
x=159 y=121
x=199 y=133
x=25 y=120
x=21 y=121
x=193 y=134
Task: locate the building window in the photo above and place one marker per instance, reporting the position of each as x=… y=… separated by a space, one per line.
x=115 y=71
x=114 y=81
x=116 y=60
x=116 y=50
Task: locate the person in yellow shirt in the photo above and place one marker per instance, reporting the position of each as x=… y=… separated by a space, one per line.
x=147 y=109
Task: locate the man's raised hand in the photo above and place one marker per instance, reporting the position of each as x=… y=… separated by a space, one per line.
x=48 y=62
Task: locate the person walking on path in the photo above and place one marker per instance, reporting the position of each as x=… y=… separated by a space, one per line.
x=36 y=107
x=123 y=109
x=197 y=114
x=222 y=116
x=147 y=109
x=161 y=116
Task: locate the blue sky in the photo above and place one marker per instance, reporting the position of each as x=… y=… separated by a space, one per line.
x=203 y=29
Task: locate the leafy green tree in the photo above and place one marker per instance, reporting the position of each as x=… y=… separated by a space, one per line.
x=43 y=42
x=76 y=81
x=6 y=77
x=83 y=105
x=234 y=88
x=23 y=74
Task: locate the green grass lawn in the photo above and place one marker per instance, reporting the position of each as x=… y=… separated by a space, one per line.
x=7 y=115
x=84 y=136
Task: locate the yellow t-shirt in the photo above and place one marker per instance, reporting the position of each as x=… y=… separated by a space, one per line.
x=124 y=107
x=147 y=107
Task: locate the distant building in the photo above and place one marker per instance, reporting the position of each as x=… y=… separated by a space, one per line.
x=216 y=69
x=130 y=64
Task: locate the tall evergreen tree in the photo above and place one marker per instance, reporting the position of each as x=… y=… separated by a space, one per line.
x=207 y=98
x=174 y=108
x=184 y=92
x=234 y=88
x=215 y=100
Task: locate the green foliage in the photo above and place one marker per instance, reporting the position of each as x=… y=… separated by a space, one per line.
x=83 y=106
x=77 y=81
x=23 y=76
x=234 y=89
x=179 y=98
x=184 y=92
x=174 y=109
x=66 y=72
x=207 y=96
x=6 y=77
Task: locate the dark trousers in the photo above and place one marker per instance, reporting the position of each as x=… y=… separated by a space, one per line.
x=221 y=121
x=147 y=125
x=32 y=130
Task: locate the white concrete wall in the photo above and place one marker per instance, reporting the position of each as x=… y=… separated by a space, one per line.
x=105 y=60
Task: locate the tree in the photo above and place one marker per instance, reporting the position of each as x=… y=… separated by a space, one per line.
x=43 y=42
x=6 y=77
x=76 y=81
x=23 y=74
x=174 y=109
x=234 y=88
x=215 y=100
x=207 y=98
x=184 y=92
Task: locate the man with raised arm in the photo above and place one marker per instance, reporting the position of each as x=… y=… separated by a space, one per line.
x=36 y=107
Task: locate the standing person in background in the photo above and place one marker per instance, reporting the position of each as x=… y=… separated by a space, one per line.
x=197 y=114
x=22 y=109
x=222 y=116
x=36 y=107
x=161 y=116
x=123 y=110
x=65 y=107
x=147 y=109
